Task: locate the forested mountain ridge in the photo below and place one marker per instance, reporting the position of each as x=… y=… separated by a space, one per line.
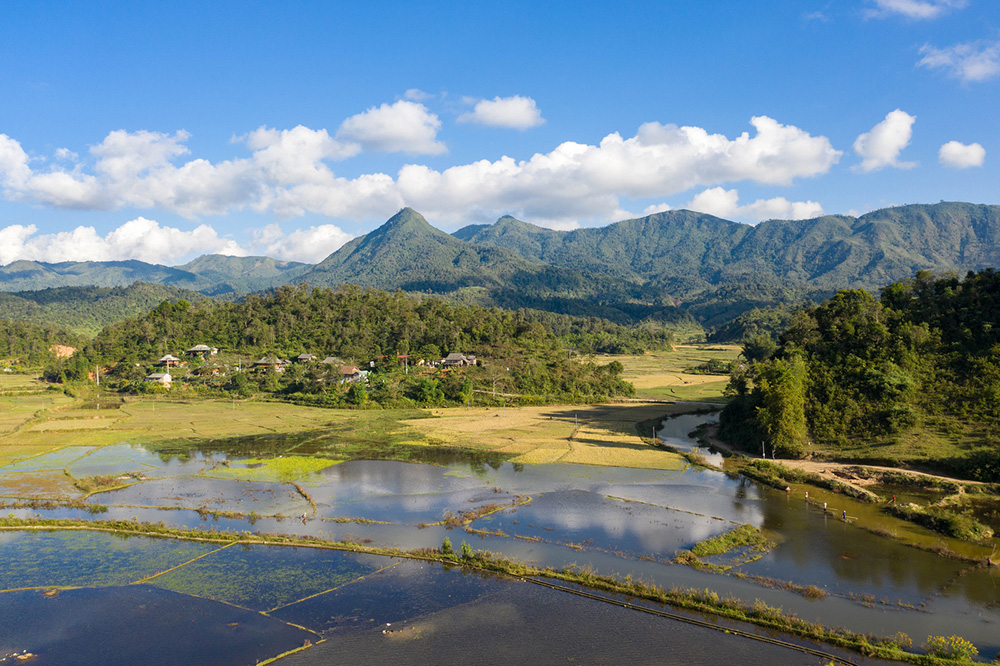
x=86 y=310
x=688 y=252
x=408 y=253
x=210 y=274
x=665 y=267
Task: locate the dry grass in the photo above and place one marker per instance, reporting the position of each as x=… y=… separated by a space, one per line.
x=584 y=434
x=662 y=375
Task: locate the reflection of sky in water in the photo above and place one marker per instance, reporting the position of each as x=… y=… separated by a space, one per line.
x=674 y=433
x=53 y=460
x=212 y=494
x=139 y=624
x=571 y=504
x=592 y=520
x=116 y=459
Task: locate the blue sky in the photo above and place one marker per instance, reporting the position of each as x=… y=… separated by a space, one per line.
x=161 y=131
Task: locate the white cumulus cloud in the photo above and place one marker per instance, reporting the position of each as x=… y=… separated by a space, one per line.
x=14 y=169
x=580 y=180
x=970 y=62
x=724 y=203
x=515 y=112
x=140 y=239
x=961 y=156
x=914 y=9
x=310 y=245
x=880 y=147
x=288 y=173
x=405 y=127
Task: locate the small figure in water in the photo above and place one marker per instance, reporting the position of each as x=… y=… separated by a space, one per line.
x=893 y=499
x=807 y=495
x=788 y=489
x=844 y=515
x=824 y=506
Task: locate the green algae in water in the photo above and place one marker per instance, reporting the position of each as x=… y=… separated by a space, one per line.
x=85 y=558
x=274 y=470
x=265 y=577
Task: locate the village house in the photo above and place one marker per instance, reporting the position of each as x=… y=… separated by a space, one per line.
x=271 y=363
x=455 y=359
x=351 y=373
x=203 y=351
x=331 y=360
x=168 y=361
x=163 y=378
x=305 y=358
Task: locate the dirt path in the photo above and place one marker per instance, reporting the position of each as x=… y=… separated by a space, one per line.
x=835 y=471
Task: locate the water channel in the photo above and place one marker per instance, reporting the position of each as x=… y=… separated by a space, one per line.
x=132 y=600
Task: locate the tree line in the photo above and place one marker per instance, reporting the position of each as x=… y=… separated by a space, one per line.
x=864 y=370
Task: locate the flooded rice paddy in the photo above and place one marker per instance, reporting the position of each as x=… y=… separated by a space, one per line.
x=173 y=601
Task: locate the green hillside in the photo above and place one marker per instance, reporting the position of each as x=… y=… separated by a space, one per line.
x=911 y=376
x=220 y=274
x=210 y=274
x=408 y=253
x=86 y=310
x=686 y=253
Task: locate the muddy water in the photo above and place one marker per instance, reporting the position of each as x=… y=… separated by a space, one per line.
x=618 y=521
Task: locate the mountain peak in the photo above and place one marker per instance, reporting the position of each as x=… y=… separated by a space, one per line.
x=406 y=218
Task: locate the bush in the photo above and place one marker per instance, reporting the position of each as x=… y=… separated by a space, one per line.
x=950 y=647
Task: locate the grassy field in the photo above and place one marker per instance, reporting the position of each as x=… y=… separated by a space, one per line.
x=591 y=434
x=34 y=420
x=585 y=434
x=665 y=375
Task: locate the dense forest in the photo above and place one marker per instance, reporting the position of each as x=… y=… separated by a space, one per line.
x=27 y=344
x=518 y=352
x=86 y=310
x=923 y=359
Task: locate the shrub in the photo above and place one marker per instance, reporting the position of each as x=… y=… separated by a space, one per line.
x=950 y=647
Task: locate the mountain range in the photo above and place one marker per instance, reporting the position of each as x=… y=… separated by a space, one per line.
x=664 y=266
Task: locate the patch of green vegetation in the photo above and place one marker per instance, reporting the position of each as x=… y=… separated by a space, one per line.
x=941 y=519
x=741 y=537
x=274 y=470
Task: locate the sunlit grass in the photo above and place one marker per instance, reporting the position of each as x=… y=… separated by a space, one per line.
x=273 y=470
x=665 y=375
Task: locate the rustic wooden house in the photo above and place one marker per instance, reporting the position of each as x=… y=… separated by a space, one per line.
x=271 y=363
x=168 y=361
x=163 y=378
x=203 y=351
x=455 y=359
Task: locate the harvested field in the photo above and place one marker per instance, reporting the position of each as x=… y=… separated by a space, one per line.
x=586 y=434
x=665 y=375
